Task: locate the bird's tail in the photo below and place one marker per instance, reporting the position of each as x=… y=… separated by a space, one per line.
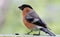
x=47 y=31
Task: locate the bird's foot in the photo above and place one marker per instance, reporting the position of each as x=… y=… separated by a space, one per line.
x=36 y=34
x=27 y=34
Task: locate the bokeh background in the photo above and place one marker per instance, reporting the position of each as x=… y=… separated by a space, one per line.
x=11 y=17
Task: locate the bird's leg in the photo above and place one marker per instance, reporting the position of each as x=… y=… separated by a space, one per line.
x=29 y=32
x=37 y=34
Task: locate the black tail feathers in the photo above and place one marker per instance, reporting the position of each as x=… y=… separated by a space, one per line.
x=47 y=31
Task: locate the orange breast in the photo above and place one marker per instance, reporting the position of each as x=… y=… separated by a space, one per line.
x=27 y=24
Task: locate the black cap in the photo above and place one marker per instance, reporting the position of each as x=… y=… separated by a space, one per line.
x=24 y=6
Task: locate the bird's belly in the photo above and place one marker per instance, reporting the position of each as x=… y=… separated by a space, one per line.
x=28 y=25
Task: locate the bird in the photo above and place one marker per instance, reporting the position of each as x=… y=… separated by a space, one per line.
x=32 y=20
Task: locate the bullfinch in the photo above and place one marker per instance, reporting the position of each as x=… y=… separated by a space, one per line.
x=32 y=21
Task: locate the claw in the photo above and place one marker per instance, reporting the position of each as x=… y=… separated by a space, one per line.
x=36 y=34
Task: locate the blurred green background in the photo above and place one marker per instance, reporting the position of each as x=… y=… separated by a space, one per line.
x=11 y=16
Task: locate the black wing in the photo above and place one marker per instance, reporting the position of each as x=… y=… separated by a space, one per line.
x=32 y=17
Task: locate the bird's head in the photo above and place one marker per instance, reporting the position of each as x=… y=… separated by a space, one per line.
x=24 y=6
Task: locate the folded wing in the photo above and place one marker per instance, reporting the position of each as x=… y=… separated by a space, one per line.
x=32 y=17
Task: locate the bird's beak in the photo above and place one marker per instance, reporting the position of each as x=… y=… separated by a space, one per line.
x=20 y=7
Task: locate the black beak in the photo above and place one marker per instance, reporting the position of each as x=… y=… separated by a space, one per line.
x=19 y=7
